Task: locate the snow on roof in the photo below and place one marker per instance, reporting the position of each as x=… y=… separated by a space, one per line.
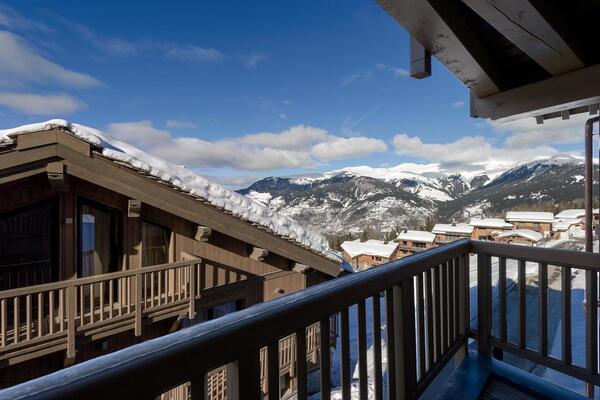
x=524 y=233
x=571 y=214
x=564 y=224
x=182 y=179
x=490 y=223
x=533 y=216
x=453 y=228
x=416 y=236
x=371 y=247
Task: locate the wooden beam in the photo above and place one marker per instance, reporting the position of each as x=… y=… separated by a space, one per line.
x=57 y=177
x=440 y=26
x=521 y=23
x=420 y=60
x=301 y=268
x=258 y=253
x=202 y=233
x=553 y=95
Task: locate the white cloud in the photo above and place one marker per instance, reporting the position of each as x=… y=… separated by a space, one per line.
x=176 y=124
x=396 y=72
x=469 y=153
x=234 y=182
x=526 y=132
x=20 y=63
x=37 y=104
x=458 y=104
x=194 y=54
x=297 y=147
x=362 y=76
x=341 y=148
x=12 y=20
x=251 y=60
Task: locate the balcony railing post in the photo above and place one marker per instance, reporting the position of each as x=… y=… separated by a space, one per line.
x=138 y=302
x=483 y=304
x=248 y=374
x=71 y=305
x=406 y=343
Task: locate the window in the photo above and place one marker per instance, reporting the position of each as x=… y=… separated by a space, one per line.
x=224 y=309
x=99 y=239
x=155 y=244
x=29 y=245
x=420 y=244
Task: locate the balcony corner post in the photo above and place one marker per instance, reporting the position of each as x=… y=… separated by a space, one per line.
x=192 y=308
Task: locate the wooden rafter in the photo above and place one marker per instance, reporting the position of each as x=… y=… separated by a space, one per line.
x=524 y=25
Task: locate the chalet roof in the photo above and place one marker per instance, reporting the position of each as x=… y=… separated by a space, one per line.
x=370 y=247
x=524 y=233
x=565 y=224
x=461 y=228
x=490 y=223
x=417 y=236
x=183 y=180
x=529 y=216
x=571 y=213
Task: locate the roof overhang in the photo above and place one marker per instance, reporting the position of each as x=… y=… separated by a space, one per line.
x=519 y=58
x=34 y=151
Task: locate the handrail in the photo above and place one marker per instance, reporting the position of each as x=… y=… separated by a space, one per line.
x=581 y=259
x=192 y=352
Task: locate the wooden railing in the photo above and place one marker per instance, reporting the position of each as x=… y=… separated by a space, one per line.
x=425 y=312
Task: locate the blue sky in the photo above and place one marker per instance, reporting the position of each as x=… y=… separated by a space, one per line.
x=240 y=90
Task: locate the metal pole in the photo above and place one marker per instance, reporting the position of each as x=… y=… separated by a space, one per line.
x=589 y=182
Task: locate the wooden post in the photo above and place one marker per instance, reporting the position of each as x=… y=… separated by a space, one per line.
x=138 y=303
x=71 y=305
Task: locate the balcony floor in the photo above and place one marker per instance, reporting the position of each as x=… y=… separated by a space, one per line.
x=482 y=378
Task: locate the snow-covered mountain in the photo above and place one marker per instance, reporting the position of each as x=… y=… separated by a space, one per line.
x=354 y=198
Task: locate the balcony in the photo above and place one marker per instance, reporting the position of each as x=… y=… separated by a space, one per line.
x=422 y=305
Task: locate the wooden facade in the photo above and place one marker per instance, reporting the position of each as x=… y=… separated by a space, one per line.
x=97 y=257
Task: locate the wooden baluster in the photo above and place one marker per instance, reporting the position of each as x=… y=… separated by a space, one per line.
x=28 y=316
x=457 y=288
x=522 y=325
x=273 y=370
x=420 y=326
x=159 y=300
x=16 y=322
x=325 y=359
x=429 y=306
x=198 y=389
x=362 y=350
x=138 y=303
x=111 y=299
x=301 y=373
x=192 y=280
x=128 y=293
x=152 y=289
x=178 y=284
x=248 y=374
x=61 y=308
x=201 y=278
x=345 y=354
x=81 y=308
x=390 y=324
x=591 y=326
x=566 y=314
x=120 y=295
x=40 y=317
x=543 y=308
x=101 y=300
x=407 y=334
x=377 y=373
x=51 y=311
x=465 y=301
x=71 y=306
x=484 y=300
x=502 y=327
x=450 y=267
x=437 y=310
x=92 y=303
x=3 y=322
x=444 y=305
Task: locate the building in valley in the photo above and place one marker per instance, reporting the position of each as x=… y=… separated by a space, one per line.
x=411 y=242
x=533 y=220
x=565 y=228
x=104 y=246
x=520 y=236
x=363 y=255
x=446 y=233
x=488 y=228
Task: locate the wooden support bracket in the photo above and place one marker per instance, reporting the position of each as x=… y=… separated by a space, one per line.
x=202 y=233
x=258 y=253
